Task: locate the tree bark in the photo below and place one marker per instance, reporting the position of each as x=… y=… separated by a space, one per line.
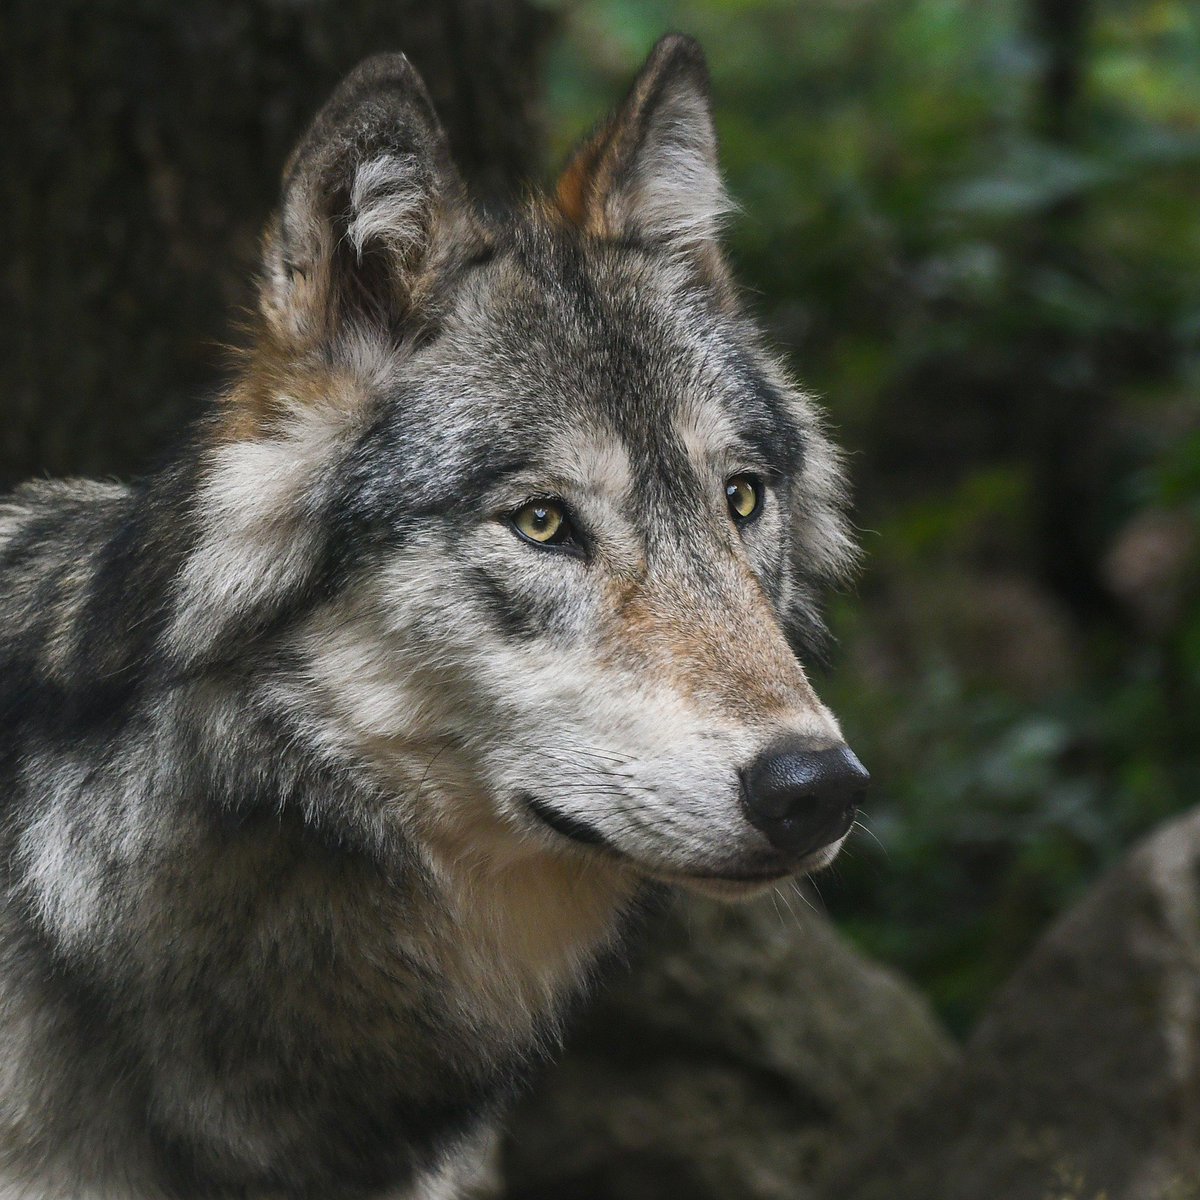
x=140 y=159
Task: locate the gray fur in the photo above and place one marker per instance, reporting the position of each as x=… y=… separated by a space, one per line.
x=324 y=793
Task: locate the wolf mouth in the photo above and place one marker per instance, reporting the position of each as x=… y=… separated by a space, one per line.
x=772 y=876
x=566 y=826
x=581 y=832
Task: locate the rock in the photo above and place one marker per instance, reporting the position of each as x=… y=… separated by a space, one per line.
x=747 y=1042
x=1083 y=1080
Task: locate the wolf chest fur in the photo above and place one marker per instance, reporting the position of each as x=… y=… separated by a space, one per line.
x=335 y=754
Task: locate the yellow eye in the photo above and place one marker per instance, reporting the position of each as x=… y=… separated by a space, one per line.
x=542 y=522
x=742 y=494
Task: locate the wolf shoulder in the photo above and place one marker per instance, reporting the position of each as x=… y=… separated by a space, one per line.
x=52 y=535
x=44 y=513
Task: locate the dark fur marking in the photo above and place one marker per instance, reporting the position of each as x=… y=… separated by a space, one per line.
x=569 y=827
x=510 y=613
x=764 y=421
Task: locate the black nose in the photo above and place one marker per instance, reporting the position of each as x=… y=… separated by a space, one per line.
x=803 y=799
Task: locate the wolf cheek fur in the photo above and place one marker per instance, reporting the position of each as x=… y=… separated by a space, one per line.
x=326 y=779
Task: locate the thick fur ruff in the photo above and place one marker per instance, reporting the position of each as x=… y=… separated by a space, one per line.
x=324 y=789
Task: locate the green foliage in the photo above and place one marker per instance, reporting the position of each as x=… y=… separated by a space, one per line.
x=995 y=286
x=994 y=811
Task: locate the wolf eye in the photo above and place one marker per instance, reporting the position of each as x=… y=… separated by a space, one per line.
x=742 y=492
x=543 y=522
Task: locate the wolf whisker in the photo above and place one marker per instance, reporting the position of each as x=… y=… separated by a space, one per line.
x=860 y=823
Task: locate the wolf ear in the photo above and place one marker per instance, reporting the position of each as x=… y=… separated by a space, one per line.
x=364 y=194
x=650 y=171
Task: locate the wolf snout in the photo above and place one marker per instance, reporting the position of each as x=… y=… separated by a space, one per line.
x=803 y=799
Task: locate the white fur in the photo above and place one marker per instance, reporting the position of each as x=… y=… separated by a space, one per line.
x=678 y=193
x=390 y=201
x=257 y=537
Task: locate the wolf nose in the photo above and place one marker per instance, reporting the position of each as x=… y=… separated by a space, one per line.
x=803 y=799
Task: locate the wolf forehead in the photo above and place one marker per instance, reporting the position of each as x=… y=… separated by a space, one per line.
x=413 y=351
x=554 y=356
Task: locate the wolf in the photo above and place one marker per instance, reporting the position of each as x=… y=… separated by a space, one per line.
x=338 y=752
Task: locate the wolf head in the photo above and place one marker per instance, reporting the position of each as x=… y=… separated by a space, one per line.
x=536 y=523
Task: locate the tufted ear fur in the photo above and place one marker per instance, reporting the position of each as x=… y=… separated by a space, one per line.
x=650 y=172
x=372 y=217
x=367 y=196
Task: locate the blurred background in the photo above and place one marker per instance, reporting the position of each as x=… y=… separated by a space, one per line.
x=971 y=226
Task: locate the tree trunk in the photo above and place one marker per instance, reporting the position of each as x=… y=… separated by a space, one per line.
x=1069 y=403
x=140 y=159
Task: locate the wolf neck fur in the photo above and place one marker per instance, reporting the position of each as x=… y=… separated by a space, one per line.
x=217 y=860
